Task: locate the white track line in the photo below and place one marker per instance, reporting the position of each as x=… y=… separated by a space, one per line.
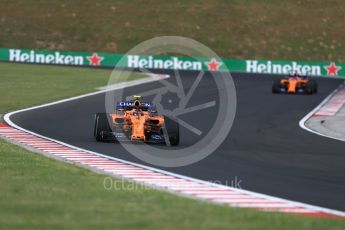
x=314 y=111
x=179 y=184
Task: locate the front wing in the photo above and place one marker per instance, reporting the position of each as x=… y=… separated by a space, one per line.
x=300 y=90
x=122 y=137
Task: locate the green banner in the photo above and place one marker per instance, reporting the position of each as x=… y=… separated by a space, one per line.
x=169 y=62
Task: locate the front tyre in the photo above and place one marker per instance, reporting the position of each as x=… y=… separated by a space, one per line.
x=311 y=87
x=101 y=125
x=315 y=86
x=173 y=130
x=276 y=86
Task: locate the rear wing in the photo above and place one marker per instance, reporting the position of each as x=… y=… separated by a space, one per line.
x=128 y=105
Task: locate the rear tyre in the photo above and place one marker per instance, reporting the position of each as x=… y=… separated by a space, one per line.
x=173 y=130
x=276 y=86
x=101 y=125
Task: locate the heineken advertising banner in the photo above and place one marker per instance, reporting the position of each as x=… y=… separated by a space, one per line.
x=168 y=62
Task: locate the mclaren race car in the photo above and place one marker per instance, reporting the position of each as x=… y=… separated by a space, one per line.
x=295 y=84
x=136 y=121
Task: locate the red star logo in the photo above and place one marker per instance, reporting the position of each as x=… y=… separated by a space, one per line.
x=95 y=59
x=213 y=65
x=332 y=69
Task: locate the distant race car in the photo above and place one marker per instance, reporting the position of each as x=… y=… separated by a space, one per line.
x=295 y=84
x=136 y=121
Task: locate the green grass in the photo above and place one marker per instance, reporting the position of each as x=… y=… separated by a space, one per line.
x=23 y=85
x=267 y=29
x=41 y=193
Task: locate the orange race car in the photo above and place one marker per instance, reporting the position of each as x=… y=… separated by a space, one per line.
x=295 y=84
x=136 y=121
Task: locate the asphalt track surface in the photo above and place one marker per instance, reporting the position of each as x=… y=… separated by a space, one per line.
x=266 y=150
